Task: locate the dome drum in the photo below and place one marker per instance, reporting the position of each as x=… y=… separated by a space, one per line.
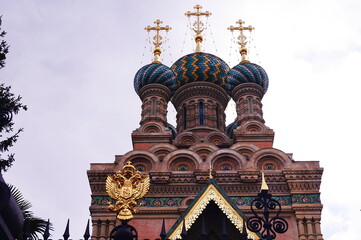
x=155 y=89
x=200 y=90
x=200 y=107
x=247 y=89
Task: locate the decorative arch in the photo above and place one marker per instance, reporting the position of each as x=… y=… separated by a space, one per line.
x=218 y=138
x=187 y=139
x=245 y=149
x=183 y=157
x=161 y=150
x=151 y=127
x=226 y=156
x=203 y=149
x=138 y=158
x=270 y=156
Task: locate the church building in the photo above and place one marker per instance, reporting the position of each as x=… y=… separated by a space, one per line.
x=201 y=168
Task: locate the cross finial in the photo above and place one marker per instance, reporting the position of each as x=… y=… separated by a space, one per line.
x=198 y=25
x=242 y=38
x=157 y=38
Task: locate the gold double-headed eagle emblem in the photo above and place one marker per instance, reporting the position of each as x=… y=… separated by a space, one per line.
x=126 y=187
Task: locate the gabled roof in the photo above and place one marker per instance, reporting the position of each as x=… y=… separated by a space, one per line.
x=211 y=192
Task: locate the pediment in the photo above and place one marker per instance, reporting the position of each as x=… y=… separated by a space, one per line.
x=210 y=193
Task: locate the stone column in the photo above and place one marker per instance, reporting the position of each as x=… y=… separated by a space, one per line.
x=318 y=230
x=310 y=232
x=301 y=229
x=103 y=228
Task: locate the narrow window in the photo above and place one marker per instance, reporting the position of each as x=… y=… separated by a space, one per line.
x=201 y=121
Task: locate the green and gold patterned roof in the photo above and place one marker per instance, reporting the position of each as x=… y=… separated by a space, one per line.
x=200 y=67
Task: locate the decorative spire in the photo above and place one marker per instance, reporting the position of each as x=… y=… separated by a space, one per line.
x=157 y=38
x=210 y=171
x=198 y=25
x=242 y=38
x=264 y=186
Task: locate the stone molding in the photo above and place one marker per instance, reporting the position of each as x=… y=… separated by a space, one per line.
x=155 y=89
x=200 y=89
x=247 y=88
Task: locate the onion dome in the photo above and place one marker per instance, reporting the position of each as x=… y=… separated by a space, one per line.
x=200 y=66
x=154 y=73
x=230 y=128
x=246 y=72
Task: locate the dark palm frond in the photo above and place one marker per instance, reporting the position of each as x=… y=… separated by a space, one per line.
x=37 y=225
x=24 y=204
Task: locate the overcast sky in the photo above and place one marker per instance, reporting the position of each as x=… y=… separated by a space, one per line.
x=73 y=62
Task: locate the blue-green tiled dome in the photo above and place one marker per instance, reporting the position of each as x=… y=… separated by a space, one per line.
x=200 y=67
x=154 y=73
x=246 y=73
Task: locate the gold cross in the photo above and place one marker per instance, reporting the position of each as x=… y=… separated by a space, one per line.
x=242 y=38
x=157 y=38
x=198 y=24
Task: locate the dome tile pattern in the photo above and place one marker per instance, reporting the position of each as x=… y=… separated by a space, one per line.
x=154 y=73
x=200 y=67
x=246 y=73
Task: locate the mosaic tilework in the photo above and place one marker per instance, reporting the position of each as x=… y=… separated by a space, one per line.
x=306 y=198
x=101 y=200
x=200 y=67
x=154 y=73
x=246 y=201
x=145 y=202
x=246 y=73
x=160 y=202
x=239 y=201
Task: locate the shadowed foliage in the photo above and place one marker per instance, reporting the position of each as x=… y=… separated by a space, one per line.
x=36 y=225
x=10 y=105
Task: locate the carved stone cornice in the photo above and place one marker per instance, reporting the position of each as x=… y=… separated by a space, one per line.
x=246 y=89
x=200 y=89
x=155 y=89
x=307 y=208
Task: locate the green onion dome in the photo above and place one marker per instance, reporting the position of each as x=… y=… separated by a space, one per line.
x=246 y=72
x=154 y=73
x=200 y=66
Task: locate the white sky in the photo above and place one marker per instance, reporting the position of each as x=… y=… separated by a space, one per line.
x=73 y=62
